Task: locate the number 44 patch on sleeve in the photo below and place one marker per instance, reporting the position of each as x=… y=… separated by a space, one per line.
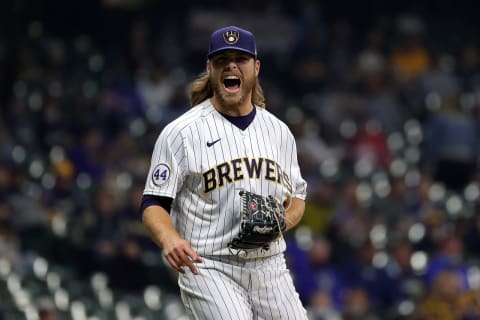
x=160 y=174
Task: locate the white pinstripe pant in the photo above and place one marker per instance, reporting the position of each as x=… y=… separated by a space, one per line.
x=238 y=289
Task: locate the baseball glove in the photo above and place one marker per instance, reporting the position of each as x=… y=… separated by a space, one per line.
x=263 y=219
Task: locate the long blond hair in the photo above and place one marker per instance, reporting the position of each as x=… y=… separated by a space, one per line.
x=201 y=89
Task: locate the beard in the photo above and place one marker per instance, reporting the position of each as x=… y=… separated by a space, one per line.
x=231 y=101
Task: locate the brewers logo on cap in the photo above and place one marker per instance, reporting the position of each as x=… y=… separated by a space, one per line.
x=231 y=37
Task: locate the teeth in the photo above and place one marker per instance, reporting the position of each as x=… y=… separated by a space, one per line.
x=231 y=77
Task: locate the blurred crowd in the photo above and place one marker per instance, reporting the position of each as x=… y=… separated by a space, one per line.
x=386 y=117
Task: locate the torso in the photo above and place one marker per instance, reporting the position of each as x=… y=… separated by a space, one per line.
x=220 y=160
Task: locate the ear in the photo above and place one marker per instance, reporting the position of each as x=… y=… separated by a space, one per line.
x=208 y=66
x=257 y=67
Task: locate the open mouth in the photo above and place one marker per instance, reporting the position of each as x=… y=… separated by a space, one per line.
x=231 y=84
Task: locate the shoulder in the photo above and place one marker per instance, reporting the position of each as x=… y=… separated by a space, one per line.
x=188 y=119
x=273 y=119
x=262 y=112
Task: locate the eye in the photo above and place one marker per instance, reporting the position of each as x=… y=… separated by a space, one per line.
x=242 y=58
x=219 y=60
x=223 y=59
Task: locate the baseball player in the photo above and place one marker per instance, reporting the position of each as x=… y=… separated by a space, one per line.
x=223 y=186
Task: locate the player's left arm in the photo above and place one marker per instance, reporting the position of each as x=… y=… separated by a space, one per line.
x=294 y=213
x=295 y=209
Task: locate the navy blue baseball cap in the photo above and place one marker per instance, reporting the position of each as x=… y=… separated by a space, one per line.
x=232 y=38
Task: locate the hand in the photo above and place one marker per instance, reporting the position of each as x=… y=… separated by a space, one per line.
x=179 y=253
x=176 y=250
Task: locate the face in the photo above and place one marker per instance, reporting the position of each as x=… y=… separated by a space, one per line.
x=233 y=75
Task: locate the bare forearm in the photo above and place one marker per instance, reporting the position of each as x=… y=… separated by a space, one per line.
x=159 y=224
x=176 y=250
x=294 y=213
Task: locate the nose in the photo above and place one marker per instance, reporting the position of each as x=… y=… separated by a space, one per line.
x=231 y=65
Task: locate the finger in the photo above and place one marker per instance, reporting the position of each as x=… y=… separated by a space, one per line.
x=175 y=263
x=192 y=257
x=176 y=266
x=180 y=259
x=192 y=254
x=191 y=266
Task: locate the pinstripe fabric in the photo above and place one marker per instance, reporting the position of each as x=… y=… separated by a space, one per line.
x=244 y=289
x=210 y=220
x=202 y=161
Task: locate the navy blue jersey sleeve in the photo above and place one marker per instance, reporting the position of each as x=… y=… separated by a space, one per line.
x=149 y=200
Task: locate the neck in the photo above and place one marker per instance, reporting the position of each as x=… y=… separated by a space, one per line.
x=233 y=110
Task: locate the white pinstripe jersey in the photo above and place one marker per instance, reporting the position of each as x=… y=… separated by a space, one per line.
x=202 y=160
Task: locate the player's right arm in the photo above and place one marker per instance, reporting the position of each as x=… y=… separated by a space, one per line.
x=165 y=178
x=176 y=250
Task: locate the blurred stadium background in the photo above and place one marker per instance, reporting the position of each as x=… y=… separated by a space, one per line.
x=383 y=98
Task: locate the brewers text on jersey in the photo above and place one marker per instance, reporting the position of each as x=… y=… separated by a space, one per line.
x=239 y=169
